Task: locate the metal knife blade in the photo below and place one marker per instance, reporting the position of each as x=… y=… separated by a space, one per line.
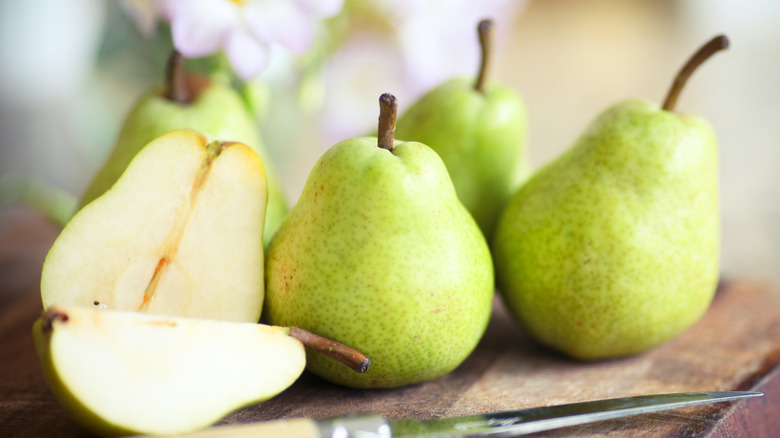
x=495 y=425
x=513 y=423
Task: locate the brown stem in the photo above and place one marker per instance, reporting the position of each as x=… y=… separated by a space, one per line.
x=388 y=111
x=176 y=87
x=485 y=31
x=348 y=356
x=50 y=316
x=713 y=46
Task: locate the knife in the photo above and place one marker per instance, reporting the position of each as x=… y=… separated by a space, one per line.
x=499 y=424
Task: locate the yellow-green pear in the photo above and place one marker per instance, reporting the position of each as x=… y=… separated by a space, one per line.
x=120 y=373
x=180 y=233
x=613 y=248
x=189 y=101
x=478 y=128
x=380 y=254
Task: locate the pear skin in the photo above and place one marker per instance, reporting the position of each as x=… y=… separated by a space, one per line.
x=380 y=254
x=613 y=248
x=478 y=128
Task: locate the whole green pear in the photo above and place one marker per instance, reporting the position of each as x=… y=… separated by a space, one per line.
x=380 y=254
x=613 y=248
x=479 y=131
x=189 y=101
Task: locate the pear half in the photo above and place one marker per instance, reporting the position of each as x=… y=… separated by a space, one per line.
x=189 y=101
x=180 y=233
x=128 y=372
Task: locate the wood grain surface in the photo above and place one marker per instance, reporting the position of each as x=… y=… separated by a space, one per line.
x=735 y=346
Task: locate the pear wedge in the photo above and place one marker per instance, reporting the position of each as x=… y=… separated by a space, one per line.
x=180 y=233
x=123 y=373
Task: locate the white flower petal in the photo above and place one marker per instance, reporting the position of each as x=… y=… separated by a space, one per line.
x=321 y=8
x=247 y=55
x=200 y=27
x=355 y=76
x=441 y=41
x=280 y=22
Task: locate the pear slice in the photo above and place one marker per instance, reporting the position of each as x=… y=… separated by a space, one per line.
x=129 y=372
x=180 y=233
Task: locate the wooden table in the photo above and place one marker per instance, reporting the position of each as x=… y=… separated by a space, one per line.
x=735 y=346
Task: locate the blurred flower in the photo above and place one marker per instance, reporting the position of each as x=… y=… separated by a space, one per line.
x=354 y=77
x=404 y=47
x=411 y=47
x=245 y=29
x=439 y=37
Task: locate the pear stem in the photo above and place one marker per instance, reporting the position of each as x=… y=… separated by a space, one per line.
x=177 y=88
x=346 y=355
x=718 y=43
x=50 y=316
x=388 y=111
x=485 y=31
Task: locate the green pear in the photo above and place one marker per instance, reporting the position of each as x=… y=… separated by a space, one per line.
x=127 y=372
x=210 y=106
x=613 y=248
x=380 y=254
x=180 y=233
x=479 y=131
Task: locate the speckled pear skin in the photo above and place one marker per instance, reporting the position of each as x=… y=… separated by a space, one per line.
x=613 y=248
x=217 y=111
x=481 y=137
x=380 y=255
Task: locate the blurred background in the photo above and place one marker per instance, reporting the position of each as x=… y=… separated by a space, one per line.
x=70 y=71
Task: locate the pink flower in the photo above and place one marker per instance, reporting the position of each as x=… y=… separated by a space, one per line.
x=419 y=45
x=244 y=29
x=439 y=37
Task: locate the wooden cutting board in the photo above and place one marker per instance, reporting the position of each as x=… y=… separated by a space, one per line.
x=735 y=346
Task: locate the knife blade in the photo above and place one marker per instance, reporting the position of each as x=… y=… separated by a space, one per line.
x=524 y=421
x=493 y=425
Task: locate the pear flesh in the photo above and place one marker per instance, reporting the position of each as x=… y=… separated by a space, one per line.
x=380 y=255
x=128 y=372
x=613 y=248
x=180 y=233
x=217 y=111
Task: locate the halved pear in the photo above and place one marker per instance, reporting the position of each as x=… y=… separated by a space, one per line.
x=187 y=100
x=180 y=233
x=129 y=372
